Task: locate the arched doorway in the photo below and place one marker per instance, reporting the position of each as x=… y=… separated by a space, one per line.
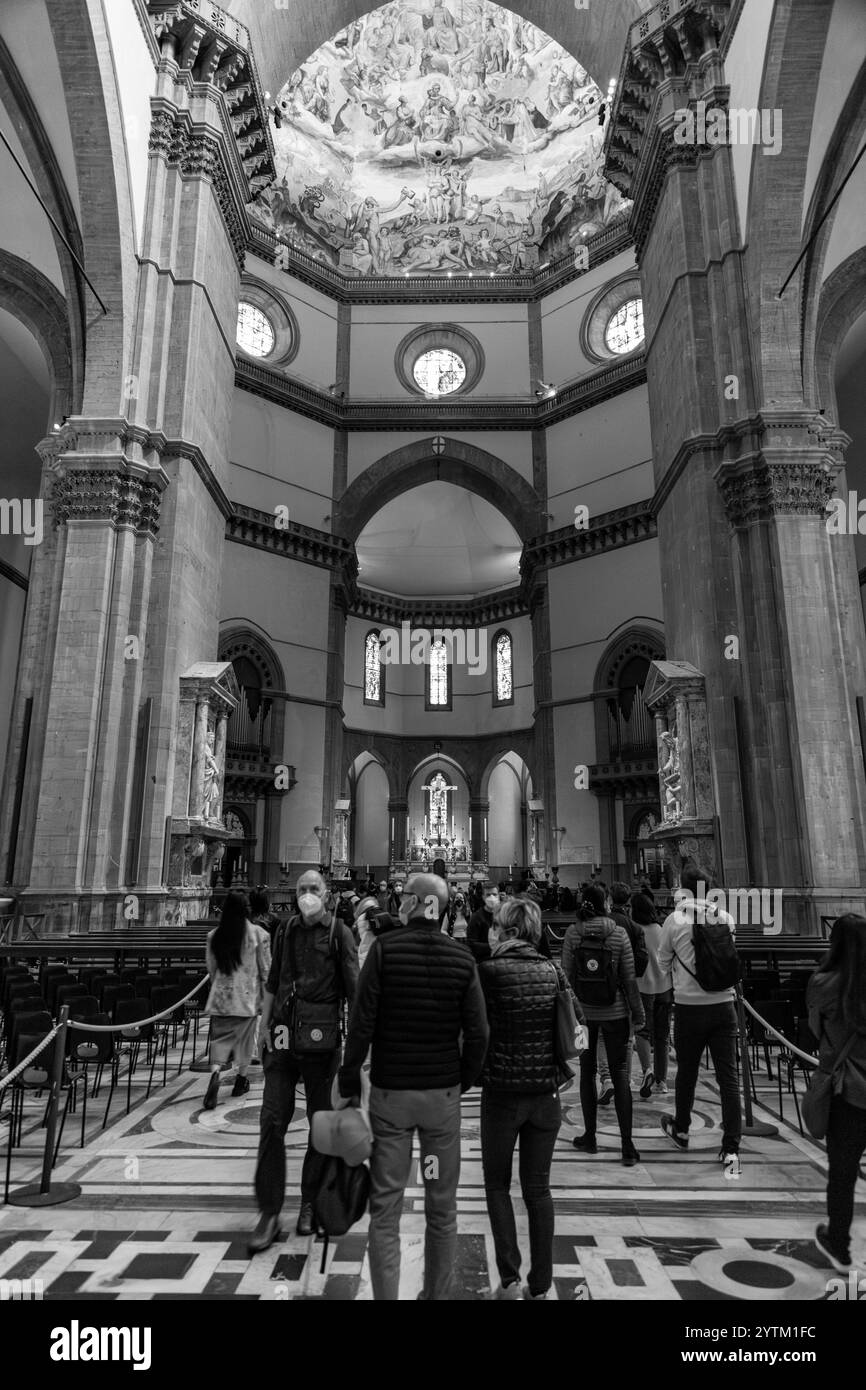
x=368 y=811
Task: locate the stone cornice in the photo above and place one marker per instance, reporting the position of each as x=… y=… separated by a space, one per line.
x=671 y=57
x=429 y=613
x=535 y=284
x=607 y=531
x=249 y=526
x=750 y=439
x=214 y=48
x=459 y=413
x=114 y=441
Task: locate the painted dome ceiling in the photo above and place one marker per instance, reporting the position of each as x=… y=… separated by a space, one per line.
x=436 y=137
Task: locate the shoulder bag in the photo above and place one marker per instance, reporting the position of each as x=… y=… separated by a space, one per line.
x=823 y=1086
x=569 y=1036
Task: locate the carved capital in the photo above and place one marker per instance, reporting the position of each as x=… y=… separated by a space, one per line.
x=111 y=495
x=758 y=489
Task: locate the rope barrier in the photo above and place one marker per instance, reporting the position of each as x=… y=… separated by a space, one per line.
x=810 y=1061
x=22 y=1066
x=136 y=1022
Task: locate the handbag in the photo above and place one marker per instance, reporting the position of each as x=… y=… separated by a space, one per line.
x=314 y=1026
x=569 y=1036
x=822 y=1088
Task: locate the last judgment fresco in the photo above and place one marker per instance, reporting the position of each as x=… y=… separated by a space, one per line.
x=439 y=137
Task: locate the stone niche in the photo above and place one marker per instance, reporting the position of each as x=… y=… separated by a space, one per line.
x=208 y=694
x=675 y=693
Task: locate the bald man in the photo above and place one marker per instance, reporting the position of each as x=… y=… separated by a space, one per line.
x=314 y=967
x=420 y=1008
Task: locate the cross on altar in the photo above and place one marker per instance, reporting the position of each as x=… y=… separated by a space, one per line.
x=438 y=785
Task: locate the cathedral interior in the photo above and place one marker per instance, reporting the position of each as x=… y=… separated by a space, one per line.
x=431 y=442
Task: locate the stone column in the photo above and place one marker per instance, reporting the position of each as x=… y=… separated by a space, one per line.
x=199 y=747
x=744 y=467
x=398 y=813
x=479 y=808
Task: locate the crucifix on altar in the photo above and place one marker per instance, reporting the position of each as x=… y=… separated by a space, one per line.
x=436 y=822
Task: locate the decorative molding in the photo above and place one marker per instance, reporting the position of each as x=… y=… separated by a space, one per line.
x=389 y=611
x=197 y=153
x=633 y=777
x=433 y=289
x=102 y=494
x=757 y=490
x=607 y=531
x=213 y=47
x=451 y=336
x=447 y=412
x=249 y=526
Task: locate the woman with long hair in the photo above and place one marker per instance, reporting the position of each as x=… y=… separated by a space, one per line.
x=836 y=999
x=520 y=1096
x=238 y=955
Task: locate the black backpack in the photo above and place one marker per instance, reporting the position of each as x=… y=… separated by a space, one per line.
x=638 y=943
x=341 y=1198
x=717 y=965
x=594 y=974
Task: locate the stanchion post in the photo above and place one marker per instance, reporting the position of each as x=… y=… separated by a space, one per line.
x=751 y=1126
x=44 y=1195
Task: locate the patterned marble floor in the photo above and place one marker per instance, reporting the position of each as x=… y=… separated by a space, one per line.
x=166 y=1202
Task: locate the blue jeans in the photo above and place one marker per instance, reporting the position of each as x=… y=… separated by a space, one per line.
x=533 y=1121
x=395 y=1116
x=697 y=1026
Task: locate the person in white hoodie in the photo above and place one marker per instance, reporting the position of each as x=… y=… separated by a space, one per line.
x=702 y=1018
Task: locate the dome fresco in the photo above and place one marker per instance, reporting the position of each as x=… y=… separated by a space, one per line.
x=437 y=136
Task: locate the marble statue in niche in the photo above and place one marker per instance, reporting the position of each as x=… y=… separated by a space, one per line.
x=669 y=772
x=212 y=793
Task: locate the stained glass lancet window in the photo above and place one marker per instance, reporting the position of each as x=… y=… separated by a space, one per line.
x=502 y=657
x=437 y=690
x=438 y=806
x=373 y=691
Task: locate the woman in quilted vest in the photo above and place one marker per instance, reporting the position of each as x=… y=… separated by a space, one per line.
x=836 y=1000
x=519 y=1098
x=238 y=955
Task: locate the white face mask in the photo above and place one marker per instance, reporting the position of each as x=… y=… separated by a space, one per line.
x=491 y=903
x=309 y=904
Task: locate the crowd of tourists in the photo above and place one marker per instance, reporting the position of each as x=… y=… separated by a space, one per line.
x=374 y=1001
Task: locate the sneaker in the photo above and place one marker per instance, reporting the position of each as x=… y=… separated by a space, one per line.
x=241 y=1086
x=646 y=1089
x=669 y=1128
x=509 y=1292
x=731 y=1162
x=661 y=1088
x=630 y=1157
x=606 y=1096
x=585 y=1143
x=839 y=1259
x=212 y=1093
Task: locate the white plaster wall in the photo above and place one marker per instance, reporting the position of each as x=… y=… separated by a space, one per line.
x=744 y=69
x=849 y=222
x=843 y=56
x=135 y=73
x=280 y=458
x=600 y=458
x=377 y=330
x=562 y=314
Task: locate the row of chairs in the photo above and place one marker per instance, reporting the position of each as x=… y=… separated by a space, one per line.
x=103 y=998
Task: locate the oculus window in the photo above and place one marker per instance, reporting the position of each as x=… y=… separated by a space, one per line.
x=439 y=371
x=625 y=330
x=255 y=332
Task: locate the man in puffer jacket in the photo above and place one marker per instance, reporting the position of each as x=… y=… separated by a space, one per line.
x=419 y=1007
x=599 y=965
x=520 y=1099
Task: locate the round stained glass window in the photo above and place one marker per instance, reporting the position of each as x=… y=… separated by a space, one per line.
x=625 y=331
x=255 y=332
x=439 y=371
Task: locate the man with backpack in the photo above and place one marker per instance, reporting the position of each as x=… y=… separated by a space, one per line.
x=314 y=967
x=420 y=1008
x=697 y=945
x=598 y=962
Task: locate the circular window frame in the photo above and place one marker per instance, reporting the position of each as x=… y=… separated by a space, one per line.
x=279 y=314
x=606 y=304
x=428 y=336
